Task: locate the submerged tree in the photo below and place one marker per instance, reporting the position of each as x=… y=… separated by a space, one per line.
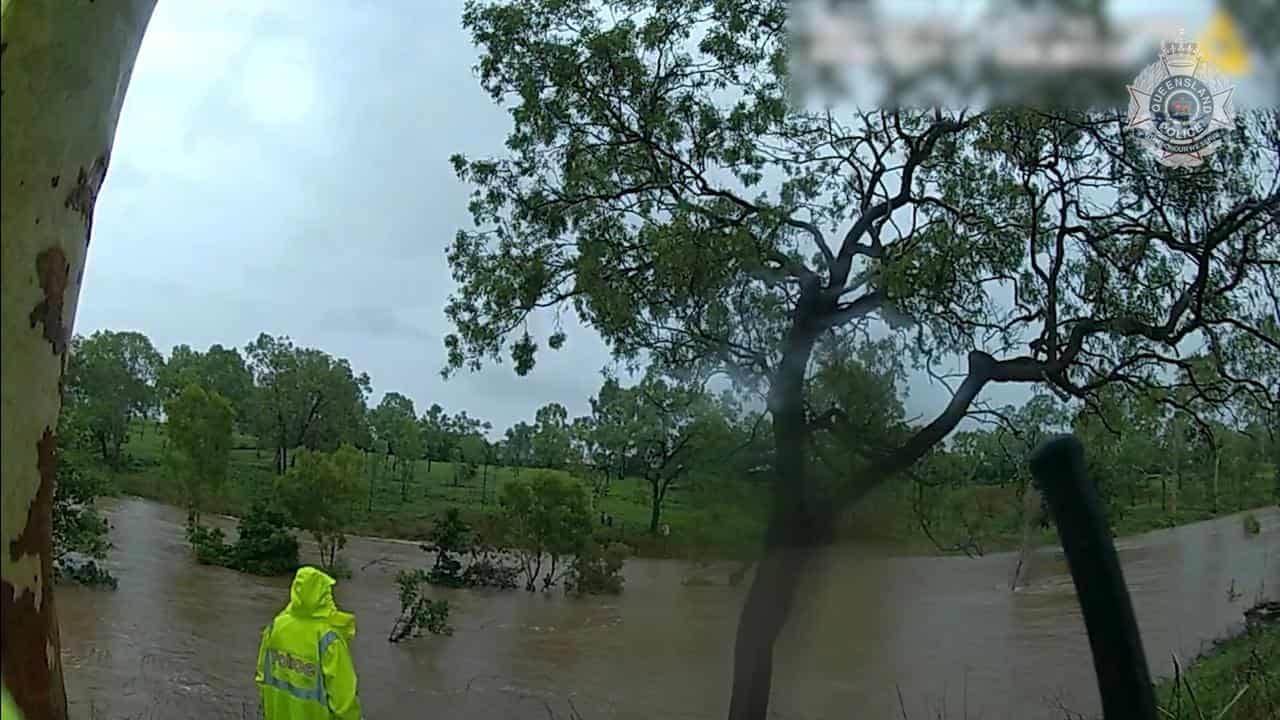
x=200 y=428
x=320 y=493
x=658 y=184
x=548 y=520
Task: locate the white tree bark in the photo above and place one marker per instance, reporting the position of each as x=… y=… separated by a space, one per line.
x=65 y=67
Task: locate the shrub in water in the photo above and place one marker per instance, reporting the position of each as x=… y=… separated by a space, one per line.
x=417 y=611
x=1251 y=524
x=597 y=570
x=264 y=545
x=450 y=535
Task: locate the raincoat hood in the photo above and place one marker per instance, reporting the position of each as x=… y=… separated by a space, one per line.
x=312 y=597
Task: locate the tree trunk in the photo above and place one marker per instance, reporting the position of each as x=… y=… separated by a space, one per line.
x=65 y=69
x=1030 y=514
x=655 y=507
x=397 y=469
x=1217 y=465
x=795 y=526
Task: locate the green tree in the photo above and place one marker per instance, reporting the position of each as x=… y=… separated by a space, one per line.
x=659 y=182
x=304 y=398
x=199 y=425
x=517 y=447
x=219 y=369
x=78 y=529
x=321 y=493
x=396 y=425
x=472 y=460
x=659 y=430
x=551 y=445
x=435 y=434
x=450 y=537
x=549 y=518
x=603 y=437
x=110 y=382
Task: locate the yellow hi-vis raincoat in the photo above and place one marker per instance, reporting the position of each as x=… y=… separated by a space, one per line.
x=304 y=663
x=8 y=708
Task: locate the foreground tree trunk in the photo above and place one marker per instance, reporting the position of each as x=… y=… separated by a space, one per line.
x=66 y=66
x=795 y=528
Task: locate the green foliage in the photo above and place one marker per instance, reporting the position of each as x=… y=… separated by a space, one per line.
x=219 y=370
x=549 y=518
x=395 y=423
x=88 y=573
x=659 y=430
x=597 y=570
x=209 y=545
x=320 y=493
x=418 y=612
x=110 y=383
x=304 y=397
x=1251 y=524
x=80 y=534
x=1238 y=679
x=449 y=538
x=199 y=427
x=550 y=444
x=263 y=543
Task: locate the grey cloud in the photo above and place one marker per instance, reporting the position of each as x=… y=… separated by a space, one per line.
x=235 y=206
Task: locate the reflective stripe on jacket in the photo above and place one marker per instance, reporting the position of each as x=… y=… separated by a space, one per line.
x=304 y=666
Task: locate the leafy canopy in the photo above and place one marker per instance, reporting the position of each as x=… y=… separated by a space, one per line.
x=200 y=429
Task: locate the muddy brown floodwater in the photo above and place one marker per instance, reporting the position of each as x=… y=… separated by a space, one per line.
x=179 y=641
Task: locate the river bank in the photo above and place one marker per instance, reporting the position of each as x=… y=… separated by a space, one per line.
x=1237 y=678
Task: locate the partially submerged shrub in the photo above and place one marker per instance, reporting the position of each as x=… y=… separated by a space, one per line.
x=449 y=537
x=85 y=571
x=1251 y=524
x=417 y=611
x=597 y=570
x=79 y=533
x=263 y=546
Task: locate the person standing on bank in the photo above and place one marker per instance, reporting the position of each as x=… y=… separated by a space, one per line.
x=305 y=671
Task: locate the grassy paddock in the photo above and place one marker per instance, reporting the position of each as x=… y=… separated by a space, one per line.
x=708 y=521
x=708 y=518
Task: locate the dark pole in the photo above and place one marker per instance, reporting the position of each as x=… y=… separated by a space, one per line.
x=1118 y=658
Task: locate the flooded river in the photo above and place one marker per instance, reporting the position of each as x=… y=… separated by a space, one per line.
x=179 y=641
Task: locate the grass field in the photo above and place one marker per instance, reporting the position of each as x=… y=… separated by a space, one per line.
x=722 y=522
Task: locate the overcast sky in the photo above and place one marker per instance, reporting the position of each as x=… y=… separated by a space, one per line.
x=282 y=166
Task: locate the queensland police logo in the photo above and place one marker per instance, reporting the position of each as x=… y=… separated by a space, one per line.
x=1180 y=108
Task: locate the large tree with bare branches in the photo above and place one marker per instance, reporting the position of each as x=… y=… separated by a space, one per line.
x=657 y=184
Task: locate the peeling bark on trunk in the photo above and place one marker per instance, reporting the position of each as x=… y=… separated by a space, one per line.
x=65 y=70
